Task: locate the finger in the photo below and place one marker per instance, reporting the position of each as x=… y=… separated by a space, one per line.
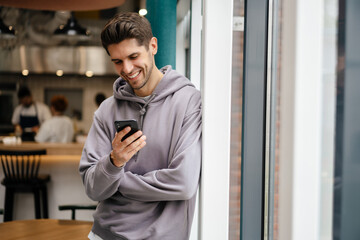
x=128 y=152
x=117 y=139
x=135 y=144
x=137 y=148
x=132 y=138
x=123 y=132
x=116 y=142
x=114 y=139
x=138 y=143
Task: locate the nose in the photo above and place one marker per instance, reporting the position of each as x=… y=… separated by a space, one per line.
x=127 y=67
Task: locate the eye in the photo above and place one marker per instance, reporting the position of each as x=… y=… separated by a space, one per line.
x=133 y=57
x=117 y=62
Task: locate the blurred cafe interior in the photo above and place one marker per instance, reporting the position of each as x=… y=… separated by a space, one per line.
x=280 y=96
x=49 y=63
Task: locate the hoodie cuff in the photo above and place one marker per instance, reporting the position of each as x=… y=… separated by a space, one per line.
x=110 y=168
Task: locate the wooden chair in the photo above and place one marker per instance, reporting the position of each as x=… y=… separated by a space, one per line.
x=21 y=170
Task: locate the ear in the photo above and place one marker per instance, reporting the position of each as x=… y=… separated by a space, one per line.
x=153 y=47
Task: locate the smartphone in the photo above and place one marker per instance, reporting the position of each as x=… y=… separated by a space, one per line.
x=120 y=125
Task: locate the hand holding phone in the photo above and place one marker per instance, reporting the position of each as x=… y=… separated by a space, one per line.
x=120 y=125
x=123 y=152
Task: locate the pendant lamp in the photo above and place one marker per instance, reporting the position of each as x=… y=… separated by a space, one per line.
x=72 y=30
x=5 y=31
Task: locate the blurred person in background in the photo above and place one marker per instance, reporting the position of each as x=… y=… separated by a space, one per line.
x=59 y=128
x=29 y=115
x=99 y=98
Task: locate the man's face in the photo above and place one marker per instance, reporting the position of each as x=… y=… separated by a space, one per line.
x=133 y=62
x=26 y=101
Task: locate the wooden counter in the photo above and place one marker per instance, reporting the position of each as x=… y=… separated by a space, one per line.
x=55 y=152
x=51 y=148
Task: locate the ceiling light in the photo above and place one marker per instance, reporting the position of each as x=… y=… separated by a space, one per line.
x=143 y=12
x=5 y=31
x=25 y=72
x=59 y=73
x=72 y=30
x=89 y=73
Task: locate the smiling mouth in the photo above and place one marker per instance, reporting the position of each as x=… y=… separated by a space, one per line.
x=133 y=76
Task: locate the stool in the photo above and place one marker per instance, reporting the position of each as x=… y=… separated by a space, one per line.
x=73 y=208
x=21 y=176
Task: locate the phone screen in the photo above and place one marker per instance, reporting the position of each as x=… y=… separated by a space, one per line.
x=120 y=125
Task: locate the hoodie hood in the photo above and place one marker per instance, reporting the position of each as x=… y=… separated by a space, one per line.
x=171 y=82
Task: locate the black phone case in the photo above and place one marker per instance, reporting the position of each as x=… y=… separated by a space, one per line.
x=120 y=125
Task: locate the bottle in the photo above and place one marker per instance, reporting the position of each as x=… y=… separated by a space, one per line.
x=18 y=134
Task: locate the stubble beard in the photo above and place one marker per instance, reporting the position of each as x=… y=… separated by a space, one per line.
x=147 y=77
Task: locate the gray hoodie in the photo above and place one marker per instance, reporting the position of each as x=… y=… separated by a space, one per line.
x=153 y=195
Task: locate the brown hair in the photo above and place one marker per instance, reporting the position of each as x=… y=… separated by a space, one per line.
x=24 y=91
x=126 y=26
x=59 y=103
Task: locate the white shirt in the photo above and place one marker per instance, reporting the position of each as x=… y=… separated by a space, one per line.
x=43 y=112
x=57 y=129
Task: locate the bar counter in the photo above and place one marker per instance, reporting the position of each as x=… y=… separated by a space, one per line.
x=51 y=148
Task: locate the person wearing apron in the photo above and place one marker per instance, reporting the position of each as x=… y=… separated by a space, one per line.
x=27 y=123
x=28 y=115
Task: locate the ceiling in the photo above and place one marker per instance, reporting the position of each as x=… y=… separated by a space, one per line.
x=36 y=47
x=74 y=5
x=35 y=26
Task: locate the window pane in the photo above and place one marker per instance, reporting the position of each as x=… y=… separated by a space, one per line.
x=328 y=79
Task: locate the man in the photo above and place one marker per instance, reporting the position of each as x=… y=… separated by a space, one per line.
x=146 y=184
x=29 y=115
x=59 y=128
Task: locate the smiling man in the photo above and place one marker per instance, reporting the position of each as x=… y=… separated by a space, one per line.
x=145 y=184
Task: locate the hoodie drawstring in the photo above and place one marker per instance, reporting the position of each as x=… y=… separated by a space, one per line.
x=142 y=114
x=143 y=110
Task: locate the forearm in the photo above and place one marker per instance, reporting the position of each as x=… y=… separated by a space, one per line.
x=177 y=182
x=102 y=179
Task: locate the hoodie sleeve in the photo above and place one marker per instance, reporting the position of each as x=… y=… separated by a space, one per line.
x=180 y=180
x=100 y=177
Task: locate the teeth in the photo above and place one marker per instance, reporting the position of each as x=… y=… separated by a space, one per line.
x=134 y=75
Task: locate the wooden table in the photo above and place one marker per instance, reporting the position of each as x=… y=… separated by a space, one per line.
x=49 y=229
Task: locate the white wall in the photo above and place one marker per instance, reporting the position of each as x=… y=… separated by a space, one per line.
x=216 y=97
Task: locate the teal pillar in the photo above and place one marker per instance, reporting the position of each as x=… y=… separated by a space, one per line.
x=162 y=16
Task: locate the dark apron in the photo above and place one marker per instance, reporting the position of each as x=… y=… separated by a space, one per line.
x=28 y=122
